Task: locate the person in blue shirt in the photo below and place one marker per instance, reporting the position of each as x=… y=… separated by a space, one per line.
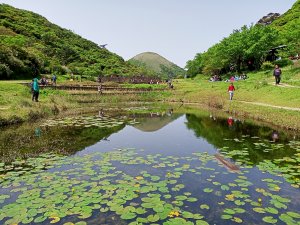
x=54 y=79
x=36 y=90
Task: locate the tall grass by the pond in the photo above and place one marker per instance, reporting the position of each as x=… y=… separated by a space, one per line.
x=17 y=106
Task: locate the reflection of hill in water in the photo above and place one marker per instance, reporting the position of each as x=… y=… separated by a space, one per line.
x=154 y=123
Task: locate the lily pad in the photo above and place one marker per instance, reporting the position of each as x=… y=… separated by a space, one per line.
x=270 y=219
x=128 y=216
x=204 y=206
x=153 y=218
x=208 y=190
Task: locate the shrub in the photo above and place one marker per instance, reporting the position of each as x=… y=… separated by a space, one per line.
x=264 y=83
x=260 y=84
x=216 y=102
x=283 y=62
x=267 y=66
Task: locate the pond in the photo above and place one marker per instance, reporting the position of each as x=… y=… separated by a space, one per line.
x=149 y=165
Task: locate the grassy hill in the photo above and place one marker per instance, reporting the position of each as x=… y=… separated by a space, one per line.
x=160 y=65
x=288 y=26
x=30 y=45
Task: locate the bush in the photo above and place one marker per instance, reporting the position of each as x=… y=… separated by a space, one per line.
x=260 y=84
x=283 y=62
x=267 y=66
x=216 y=102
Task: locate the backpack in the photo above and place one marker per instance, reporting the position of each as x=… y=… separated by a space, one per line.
x=277 y=72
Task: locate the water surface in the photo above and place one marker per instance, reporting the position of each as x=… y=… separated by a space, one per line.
x=152 y=167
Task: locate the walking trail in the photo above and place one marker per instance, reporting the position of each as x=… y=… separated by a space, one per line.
x=273 y=106
x=284 y=85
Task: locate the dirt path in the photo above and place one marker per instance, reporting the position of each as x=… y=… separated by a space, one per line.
x=252 y=103
x=273 y=106
x=282 y=85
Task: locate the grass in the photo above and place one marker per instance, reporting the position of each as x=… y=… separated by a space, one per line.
x=145 y=86
x=16 y=105
x=258 y=88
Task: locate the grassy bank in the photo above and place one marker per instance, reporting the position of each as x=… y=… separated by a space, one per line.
x=16 y=105
x=259 y=88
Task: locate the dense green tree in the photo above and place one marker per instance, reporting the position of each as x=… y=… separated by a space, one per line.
x=195 y=66
x=243 y=45
x=247 y=48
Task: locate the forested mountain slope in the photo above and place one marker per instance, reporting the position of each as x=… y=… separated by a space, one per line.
x=30 y=45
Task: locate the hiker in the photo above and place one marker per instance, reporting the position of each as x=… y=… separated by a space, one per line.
x=170 y=84
x=44 y=81
x=230 y=121
x=101 y=113
x=31 y=86
x=99 y=79
x=54 y=79
x=100 y=89
x=243 y=76
x=277 y=74
x=231 y=89
x=275 y=136
x=38 y=132
x=36 y=90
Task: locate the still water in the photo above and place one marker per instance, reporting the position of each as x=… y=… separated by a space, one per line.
x=149 y=166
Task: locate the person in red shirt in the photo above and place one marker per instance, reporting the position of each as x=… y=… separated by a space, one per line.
x=231 y=89
x=230 y=121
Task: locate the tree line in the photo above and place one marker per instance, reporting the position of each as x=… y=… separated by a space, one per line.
x=247 y=48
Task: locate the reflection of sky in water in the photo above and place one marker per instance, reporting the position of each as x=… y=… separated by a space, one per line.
x=173 y=139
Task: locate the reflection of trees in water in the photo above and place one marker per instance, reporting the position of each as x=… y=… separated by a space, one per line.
x=216 y=131
x=22 y=142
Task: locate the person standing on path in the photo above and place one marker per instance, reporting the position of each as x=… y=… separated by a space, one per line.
x=277 y=74
x=231 y=89
x=54 y=80
x=36 y=90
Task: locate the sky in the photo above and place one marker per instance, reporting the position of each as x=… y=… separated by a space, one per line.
x=175 y=29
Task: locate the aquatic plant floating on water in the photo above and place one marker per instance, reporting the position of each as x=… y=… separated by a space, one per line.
x=134 y=188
